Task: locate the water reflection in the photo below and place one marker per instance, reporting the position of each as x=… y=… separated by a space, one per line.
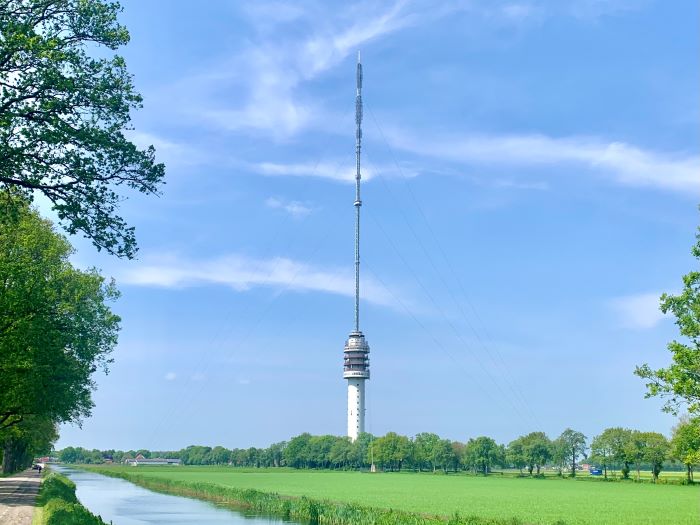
x=124 y=503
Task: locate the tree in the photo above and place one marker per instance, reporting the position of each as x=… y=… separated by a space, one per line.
x=634 y=450
x=656 y=452
x=515 y=454
x=56 y=328
x=574 y=443
x=297 y=452
x=361 y=451
x=457 y=455
x=426 y=449
x=443 y=454
x=63 y=114
x=679 y=383
x=481 y=454
x=31 y=437
x=391 y=450
x=601 y=452
x=685 y=444
x=537 y=450
x=341 y=452
x=609 y=448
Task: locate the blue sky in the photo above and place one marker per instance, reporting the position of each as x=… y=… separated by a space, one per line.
x=531 y=188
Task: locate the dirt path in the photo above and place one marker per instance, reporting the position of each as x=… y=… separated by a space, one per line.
x=17 y=495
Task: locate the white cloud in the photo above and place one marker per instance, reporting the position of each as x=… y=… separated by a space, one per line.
x=268 y=72
x=624 y=163
x=294 y=208
x=338 y=171
x=638 y=311
x=173 y=154
x=170 y=376
x=242 y=273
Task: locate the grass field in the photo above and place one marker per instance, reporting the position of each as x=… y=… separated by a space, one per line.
x=537 y=501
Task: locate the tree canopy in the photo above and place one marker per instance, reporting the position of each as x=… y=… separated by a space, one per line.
x=679 y=383
x=56 y=328
x=63 y=114
x=685 y=444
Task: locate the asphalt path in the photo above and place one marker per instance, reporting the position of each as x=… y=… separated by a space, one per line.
x=17 y=496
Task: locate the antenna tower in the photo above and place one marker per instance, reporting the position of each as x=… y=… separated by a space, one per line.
x=356 y=353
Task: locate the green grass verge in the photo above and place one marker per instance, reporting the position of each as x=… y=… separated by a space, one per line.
x=498 y=498
x=56 y=504
x=301 y=509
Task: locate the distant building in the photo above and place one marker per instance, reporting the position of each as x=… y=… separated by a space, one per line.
x=140 y=460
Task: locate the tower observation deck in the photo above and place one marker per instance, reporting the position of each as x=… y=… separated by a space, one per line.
x=356 y=353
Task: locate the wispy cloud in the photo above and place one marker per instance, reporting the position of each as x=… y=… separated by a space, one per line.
x=267 y=74
x=242 y=273
x=294 y=208
x=173 y=154
x=170 y=376
x=638 y=311
x=338 y=171
x=623 y=163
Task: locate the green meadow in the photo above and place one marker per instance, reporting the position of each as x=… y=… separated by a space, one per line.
x=536 y=501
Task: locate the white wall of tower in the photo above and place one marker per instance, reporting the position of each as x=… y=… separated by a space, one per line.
x=356 y=407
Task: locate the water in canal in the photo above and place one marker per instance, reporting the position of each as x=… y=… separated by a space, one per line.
x=124 y=503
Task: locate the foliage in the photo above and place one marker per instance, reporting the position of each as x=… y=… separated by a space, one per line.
x=63 y=114
x=685 y=444
x=482 y=453
x=609 y=449
x=656 y=449
x=679 y=383
x=56 y=329
x=515 y=454
x=573 y=445
x=32 y=436
x=391 y=451
x=60 y=505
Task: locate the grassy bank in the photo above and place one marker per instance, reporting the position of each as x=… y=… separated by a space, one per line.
x=499 y=499
x=302 y=509
x=56 y=504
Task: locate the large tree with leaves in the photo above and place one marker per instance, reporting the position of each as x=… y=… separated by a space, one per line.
x=679 y=383
x=572 y=444
x=685 y=444
x=63 y=114
x=482 y=453
x=56 y=328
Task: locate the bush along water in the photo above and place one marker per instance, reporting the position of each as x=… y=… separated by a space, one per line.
x=303 y=509
x=60 y=505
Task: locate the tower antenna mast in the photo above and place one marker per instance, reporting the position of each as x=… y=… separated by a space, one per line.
x=358 y=177
x=356 y=353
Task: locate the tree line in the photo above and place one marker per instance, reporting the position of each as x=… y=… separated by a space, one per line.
x=63 y=114
x=619 y=452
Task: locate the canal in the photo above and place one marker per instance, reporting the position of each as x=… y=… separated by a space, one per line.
x=124 y=503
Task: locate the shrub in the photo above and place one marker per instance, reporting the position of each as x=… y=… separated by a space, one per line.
x=60 y=504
